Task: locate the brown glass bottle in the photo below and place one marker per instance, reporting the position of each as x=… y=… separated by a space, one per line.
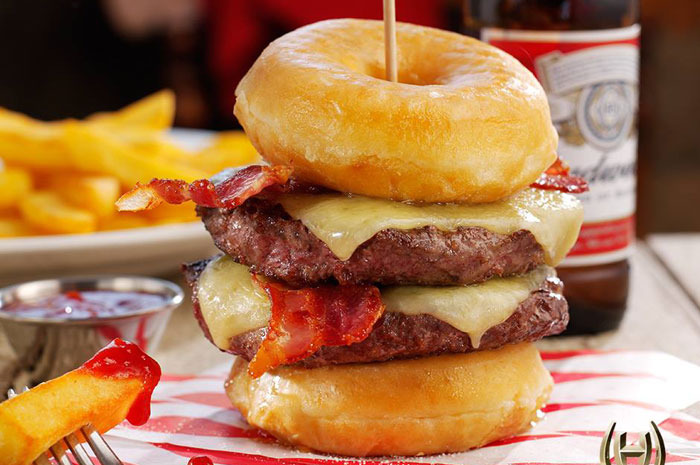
x=585 y=54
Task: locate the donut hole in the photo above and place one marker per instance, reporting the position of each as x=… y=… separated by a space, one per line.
x=408 y=73
x=423 y=63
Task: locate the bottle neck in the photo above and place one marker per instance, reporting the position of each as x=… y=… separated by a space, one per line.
x=550 y=15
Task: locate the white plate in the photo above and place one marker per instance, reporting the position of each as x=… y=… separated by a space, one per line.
x=154 y=250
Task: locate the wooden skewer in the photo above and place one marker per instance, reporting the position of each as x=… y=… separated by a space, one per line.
x=390 y=40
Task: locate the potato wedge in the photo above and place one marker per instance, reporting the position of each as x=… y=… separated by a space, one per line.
x=34 y=420
x=31 y=422
x=15 y=183
x=96 y=194
x=154 y=112
x=48 y=212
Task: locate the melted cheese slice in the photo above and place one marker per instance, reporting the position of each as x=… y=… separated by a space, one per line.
x=231 y=302
x=344 y=222
x=471 y=309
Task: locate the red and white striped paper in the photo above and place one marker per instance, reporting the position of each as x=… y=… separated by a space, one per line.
x=191 y=416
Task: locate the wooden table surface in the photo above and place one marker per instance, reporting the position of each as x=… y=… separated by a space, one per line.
x=663 y=314
x=680 y=254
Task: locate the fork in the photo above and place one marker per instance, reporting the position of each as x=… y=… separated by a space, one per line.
x=95 y=442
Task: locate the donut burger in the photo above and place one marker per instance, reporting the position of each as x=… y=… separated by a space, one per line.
x=383 y=277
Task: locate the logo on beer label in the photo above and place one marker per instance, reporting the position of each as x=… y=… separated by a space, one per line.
x=591 y=92
x=605 y=114
x=641 y=450
x=591 y=79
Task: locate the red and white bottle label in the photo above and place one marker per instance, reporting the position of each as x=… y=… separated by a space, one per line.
x=591 y=79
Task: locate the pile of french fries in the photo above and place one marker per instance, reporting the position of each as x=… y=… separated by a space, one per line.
x=63 y=177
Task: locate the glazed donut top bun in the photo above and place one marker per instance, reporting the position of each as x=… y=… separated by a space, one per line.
x=465 y=123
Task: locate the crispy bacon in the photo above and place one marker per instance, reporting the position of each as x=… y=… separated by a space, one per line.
x=304 y=320
x=559 y=168
x=226 y=190
x=558 y=177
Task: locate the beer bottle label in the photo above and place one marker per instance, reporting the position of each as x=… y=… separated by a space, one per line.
x=591 y=79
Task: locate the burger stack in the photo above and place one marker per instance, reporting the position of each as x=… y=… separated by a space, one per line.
x=382 y=280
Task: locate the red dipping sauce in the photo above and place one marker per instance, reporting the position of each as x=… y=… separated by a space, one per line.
x=124 y=360
x=82 y=305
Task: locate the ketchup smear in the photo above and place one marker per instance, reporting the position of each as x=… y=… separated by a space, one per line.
x=200 y=460
x=75 y=305
x=124 y=360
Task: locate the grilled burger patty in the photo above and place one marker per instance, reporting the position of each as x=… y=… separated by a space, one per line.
x=261 y=235
x=395 y=335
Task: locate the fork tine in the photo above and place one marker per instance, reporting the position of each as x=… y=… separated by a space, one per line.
x=12 y=393
x=102 y=451
x=59 y=453
x=78 y=450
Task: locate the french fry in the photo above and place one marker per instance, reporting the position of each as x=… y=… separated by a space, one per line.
x=114 y=385
x=14 y=118
x=14 y=184
x=171 y=213
x=64 y=176
x=93 y=149
x=48 y=212
x=96 y=194
x=160 y=148
x=15 y=227
x=155 y=112
x=124 y=220
x=30 y=143
x=36 y=144
x=231 y=148
x=28 y=430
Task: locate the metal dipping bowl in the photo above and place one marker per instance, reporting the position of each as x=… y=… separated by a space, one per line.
x=47 y=348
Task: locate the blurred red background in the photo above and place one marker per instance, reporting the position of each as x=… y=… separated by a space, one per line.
x=70 y=58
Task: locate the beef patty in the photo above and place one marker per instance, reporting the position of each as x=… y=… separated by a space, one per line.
x=395 y=335
x=261 y=235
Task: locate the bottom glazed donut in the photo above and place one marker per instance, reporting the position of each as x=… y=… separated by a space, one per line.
x=428 y=405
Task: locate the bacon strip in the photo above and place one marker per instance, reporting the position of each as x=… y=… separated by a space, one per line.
x=232 y=188
x=558 y=177
x=304 y=320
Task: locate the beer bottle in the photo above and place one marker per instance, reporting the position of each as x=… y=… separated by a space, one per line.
x=586 y=55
